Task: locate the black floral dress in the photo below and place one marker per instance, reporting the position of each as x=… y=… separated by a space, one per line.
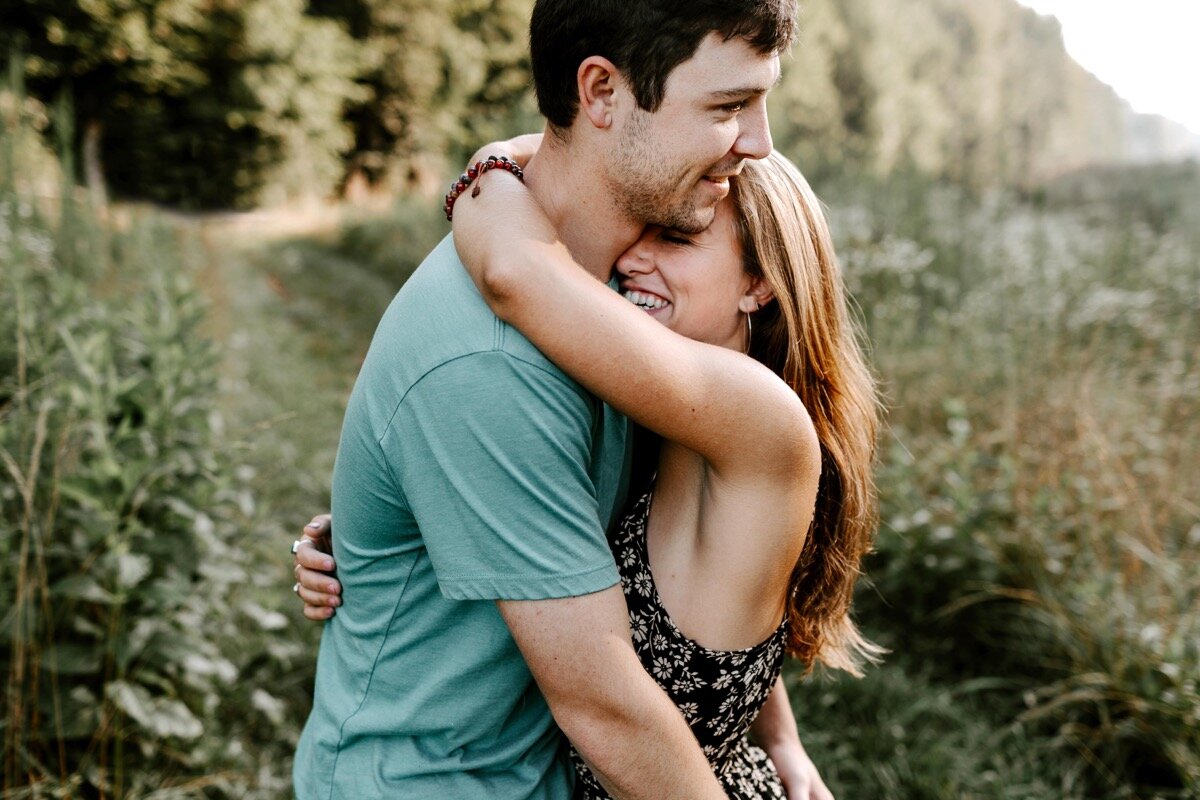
x=720 y=692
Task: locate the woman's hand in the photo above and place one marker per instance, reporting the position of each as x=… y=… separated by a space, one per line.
x=776 y=733
x=314 y=569
x=799 y=774
x=519 y=148
x=499 y=232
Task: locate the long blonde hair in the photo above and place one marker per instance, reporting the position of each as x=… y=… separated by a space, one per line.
x=808 y=338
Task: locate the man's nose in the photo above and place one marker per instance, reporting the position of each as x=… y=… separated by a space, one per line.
x=754 y=138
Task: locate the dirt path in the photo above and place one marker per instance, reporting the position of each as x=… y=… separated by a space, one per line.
x=282 y=389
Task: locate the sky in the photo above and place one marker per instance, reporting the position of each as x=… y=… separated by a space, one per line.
x=1149 y=51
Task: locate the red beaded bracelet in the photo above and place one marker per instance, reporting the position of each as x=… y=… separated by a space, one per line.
x=464 y=180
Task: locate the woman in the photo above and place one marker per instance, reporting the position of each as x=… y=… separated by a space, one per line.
x=761 y=505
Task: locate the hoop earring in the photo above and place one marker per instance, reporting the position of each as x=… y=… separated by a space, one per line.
x=749 y=327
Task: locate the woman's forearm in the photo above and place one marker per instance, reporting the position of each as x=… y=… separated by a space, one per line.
x=776 y=732
x=707 y=398
x=776 y=724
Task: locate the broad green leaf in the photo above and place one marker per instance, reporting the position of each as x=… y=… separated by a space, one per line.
x=132 y=568
x=160 y=716
x=220 y=667
x=267 y=619
x=73 y=659
x=83 y=587
x=272 y=707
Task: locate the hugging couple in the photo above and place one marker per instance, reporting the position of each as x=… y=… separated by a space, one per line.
x=578 y=529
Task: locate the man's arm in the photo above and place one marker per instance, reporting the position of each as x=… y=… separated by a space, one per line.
x=580 y=652
x=493 y=454
x=621 y=721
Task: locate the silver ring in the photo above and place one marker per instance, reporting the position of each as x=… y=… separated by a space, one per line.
x=296 y=545
x=296 y=587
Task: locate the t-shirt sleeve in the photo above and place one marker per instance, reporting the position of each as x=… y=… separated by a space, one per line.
x=491 y=454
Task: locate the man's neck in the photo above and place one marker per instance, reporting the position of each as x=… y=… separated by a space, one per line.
x=574 y=195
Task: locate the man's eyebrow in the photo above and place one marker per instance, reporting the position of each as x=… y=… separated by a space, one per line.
x=744 y=91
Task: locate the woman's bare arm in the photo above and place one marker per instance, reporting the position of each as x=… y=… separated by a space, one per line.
x=727 y=407
x=775 y=732
x=519 y=148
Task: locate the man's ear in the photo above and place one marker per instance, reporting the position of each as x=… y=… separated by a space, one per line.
x=597 y=81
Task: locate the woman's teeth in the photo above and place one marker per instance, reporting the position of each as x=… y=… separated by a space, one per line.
x=646 y=301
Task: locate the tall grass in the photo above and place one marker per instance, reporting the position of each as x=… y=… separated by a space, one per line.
x=136 y=661
x=1040 y=521
x=1036 y=577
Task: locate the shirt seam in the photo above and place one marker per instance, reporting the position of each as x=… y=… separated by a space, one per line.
x=366 y=691
x=557 y=377
x=558 y=576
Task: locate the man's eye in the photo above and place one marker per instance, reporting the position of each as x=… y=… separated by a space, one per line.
x=733 y=108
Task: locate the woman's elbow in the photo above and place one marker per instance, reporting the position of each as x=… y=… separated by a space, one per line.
x=498 y=281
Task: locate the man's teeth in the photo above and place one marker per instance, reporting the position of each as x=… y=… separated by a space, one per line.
x=646 y=301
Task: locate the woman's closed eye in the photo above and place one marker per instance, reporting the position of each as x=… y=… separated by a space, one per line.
x=672 y=237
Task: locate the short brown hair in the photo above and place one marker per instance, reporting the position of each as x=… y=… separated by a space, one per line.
x=645 y=39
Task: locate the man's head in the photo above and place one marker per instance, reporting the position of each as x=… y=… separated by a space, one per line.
x=669 y=94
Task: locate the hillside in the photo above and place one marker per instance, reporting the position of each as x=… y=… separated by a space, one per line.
x=982 y=91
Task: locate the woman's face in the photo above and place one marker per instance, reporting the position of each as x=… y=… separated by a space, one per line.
x=692 y=283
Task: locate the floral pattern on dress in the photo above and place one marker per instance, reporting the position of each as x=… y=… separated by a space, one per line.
x=720 y=692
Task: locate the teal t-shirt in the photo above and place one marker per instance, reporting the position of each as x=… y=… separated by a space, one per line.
x=470 y=469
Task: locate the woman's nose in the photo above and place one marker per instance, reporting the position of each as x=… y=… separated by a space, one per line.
x=636 y=260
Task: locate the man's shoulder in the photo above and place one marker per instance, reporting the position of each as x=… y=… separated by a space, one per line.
x=439 y=324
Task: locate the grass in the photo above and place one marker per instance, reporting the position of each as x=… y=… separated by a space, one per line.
x=1039 y=526
x=1034 y=577
x=1036 y=570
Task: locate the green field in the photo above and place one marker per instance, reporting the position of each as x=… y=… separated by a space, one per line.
x=170 y=395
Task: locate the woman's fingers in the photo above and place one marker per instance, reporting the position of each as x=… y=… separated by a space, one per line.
x=318 y=603
x=319 y=532
x=318 y=613
x=317 y=588
x=310 y=556
x=313 y=567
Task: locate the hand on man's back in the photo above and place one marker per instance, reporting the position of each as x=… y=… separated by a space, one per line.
x=313 y=565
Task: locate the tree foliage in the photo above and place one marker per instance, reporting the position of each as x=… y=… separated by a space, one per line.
x=194 y=102
x=232 y=102
x=440 y=77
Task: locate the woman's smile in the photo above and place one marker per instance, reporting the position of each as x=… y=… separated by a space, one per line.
x=647 y=301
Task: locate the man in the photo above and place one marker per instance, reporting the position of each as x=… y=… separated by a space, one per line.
x=474 y=480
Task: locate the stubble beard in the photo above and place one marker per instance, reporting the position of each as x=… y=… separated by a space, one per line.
x=643 y=184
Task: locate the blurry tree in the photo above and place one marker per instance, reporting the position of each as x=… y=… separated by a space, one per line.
x=821 y=112
x=109 y=54
x=443 y=77
x=236 y=102
x=194 y=102
x=979 y=92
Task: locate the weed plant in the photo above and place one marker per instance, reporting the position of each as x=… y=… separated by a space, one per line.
x=1036 y=569
x=136 y=661
x=1037 y=563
